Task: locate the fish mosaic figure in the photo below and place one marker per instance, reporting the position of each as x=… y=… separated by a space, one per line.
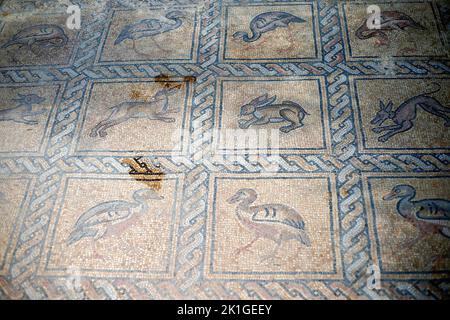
x=405 y=114
x=23 y=113
x=149 y=28
x=263 y=110
x=389 y=21
x=265 y=22
x=157 y=108
x=276 y=222
x=42 y=36
x=111 y=218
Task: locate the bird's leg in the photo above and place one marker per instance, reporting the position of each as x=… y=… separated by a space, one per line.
x=94 y=250
x=246 y=247
x=271 y=255
x=406 y=246
x=158 y=46
x=144 y=54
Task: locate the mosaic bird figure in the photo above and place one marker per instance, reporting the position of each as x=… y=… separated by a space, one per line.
x=266 y=22
x=111 y=217
x=150 y=27
x=389 y=21
x=430 y=216
x=43 y=36
x=276 y=222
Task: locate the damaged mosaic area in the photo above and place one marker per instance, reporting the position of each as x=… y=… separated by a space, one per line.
x=117 y=179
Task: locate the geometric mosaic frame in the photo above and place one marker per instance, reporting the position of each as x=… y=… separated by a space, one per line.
x=22 y=279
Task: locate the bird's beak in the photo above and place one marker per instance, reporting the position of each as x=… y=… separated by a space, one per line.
x=233 y=199
x=391 y=195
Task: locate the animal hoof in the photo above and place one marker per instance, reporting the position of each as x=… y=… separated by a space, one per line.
x=382 y=139
x=102 y=134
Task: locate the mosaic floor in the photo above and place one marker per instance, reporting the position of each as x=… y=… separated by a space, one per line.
x=227 y=149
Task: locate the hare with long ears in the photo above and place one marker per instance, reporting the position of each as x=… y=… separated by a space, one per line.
x=263 y=111
x=155 y=109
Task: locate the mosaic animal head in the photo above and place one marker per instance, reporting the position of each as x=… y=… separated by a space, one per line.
x=260 y=101
x=383 y=114
x=400 y=191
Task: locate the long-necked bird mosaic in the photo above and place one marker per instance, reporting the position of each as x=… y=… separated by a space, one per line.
x=429 y=216
x=389 y=21
x=273 y=221
x=266 y=22
x=150 y=27
x=42 y=36
x=111 y=218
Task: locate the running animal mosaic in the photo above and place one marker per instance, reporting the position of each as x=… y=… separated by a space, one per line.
x=117 y=182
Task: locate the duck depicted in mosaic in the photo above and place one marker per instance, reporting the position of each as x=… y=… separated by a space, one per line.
x=111 y=218
x=263 y=110
x=22 y=113
x=148 y=28
x=44 y=36
x=157 y=108
x=273 y=221
x=405 y=114
x=390 y=21
x=265 y=22
x=430 y=216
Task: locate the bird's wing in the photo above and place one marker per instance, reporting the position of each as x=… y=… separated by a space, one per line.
x=146 y=25
x=278 y=213
x=435 y=211
x=104 y=212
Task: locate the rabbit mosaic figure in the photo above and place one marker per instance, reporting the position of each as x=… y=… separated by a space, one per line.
x=266 y=22
x=23 y=113
x=263 y=110
x=404 y=116
x=273 y=221
x=155 y=109
x=42 y=36
x=389 y=22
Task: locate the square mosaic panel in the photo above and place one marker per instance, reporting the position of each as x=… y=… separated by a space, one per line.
x=31 y=41
x=127 y=38
x=246 y=37
x=417 y=33
x=392 y=120
x=267 y=248
x=141 y=214
x=405 y=244
x=204 y=149
x=115 y=125
x=307 y=131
